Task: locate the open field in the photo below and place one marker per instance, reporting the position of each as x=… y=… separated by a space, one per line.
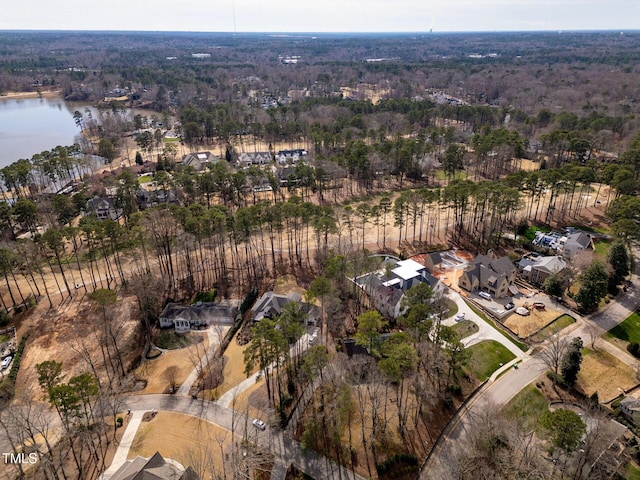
x=603 y=373
x=287 y=284
x=184 y=359
x=185 y=439
x=530 y=324
x=558 y=324
x=486 y=358
x=527 y=407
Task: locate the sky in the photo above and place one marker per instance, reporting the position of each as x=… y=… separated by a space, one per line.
x=321 y=15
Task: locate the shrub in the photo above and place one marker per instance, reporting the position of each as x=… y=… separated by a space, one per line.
x=119 y=421
x=634 y=349
x=209 y=296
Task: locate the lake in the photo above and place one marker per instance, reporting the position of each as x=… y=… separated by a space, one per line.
x=30 y=126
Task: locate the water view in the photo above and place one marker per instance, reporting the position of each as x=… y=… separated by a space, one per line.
x=30 y=126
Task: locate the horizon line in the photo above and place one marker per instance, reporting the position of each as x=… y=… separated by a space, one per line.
x=309 y=32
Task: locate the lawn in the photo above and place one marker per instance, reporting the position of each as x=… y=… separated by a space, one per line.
x=628 y=330
x=486 y=357
x=527 y=407
x=465 y=328
x=530 y=232
x=603 y=373
x=558 y=324
x=145 y=179
x=631 y=472
x=601 y=247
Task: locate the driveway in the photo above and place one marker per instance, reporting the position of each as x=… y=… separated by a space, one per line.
x=280 y=444
x=485 y=330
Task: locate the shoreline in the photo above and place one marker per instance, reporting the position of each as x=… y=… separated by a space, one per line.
x=27 y=95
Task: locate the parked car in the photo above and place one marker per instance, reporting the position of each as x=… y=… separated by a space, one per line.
x=539 y=305
x=522 y=311
x=6 y=362
x=509 y=306
x=459 y=317
x=259 y=424
x=485 y=295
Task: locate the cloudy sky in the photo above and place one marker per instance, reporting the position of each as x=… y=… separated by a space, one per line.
x=321 y=16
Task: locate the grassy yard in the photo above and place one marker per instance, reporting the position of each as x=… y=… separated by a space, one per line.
x=522 y=346
x=631 y=472
x=486 y=357
x=465 y=328
x=558 y=324
x=601 y=248
x=628 y=330
x=603 y=373
x=527 y=407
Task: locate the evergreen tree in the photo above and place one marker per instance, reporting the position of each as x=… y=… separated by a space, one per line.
x=593 y=287
x=570 y=365
x=618 y=258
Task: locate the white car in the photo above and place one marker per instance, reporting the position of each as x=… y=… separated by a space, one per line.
x=459 y=317
x=259 y=424
x=485 y=295
x=6 y=362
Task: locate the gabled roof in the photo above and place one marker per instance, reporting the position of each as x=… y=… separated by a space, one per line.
x=155 y=468
x=580 y=238
x=549 y=264
x=435 y=257
x=271 y=304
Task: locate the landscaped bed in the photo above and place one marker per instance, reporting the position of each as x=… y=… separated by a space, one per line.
x=486 y=357
x=603 y=373
x=465 y=328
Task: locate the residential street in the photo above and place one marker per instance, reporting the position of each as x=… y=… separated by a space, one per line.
x=500 y=391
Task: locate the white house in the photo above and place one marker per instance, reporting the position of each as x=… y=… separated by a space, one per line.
x=290 y=156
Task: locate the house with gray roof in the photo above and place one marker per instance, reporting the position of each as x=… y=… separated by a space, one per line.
x=489 y=274
x=104 y=208
x=630 y=408
x=386 y=287
x=199 y=160
x=245 y=160
x=575 y=242
x=184 y=318
x=432 y=261
x=154 y=468
x=270 y=305
x=536 y=269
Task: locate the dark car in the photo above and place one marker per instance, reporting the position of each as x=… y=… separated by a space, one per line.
x=509 y=306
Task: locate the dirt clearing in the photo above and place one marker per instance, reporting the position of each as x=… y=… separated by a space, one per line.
x=605 y=374
x=530 y=324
